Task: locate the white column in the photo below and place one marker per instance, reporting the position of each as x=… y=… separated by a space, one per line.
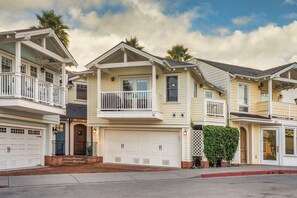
x=270 y=98
x=36 y=91
x=18 y=85
x=51 y=95
x=154 y=89
x=43 y=42
x=98 y=89
x=64 y=84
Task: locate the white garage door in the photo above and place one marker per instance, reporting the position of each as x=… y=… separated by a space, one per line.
x=19 y=147
x=143 y=148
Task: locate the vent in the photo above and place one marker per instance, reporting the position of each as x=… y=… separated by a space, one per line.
x=18 y=131
x=136 y=160
x=146 y=161
x=2 y=130
x=33 y=132
x=165 y=162
x=117 y=159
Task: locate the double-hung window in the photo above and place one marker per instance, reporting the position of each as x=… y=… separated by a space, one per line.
x=172 y=89
x=243 y=97
x=33 y=71
x=81 y=91
x=6 y=65
x=49 y=77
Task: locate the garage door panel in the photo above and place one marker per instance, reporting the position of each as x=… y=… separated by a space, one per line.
x=144 y=148
x=19 y=147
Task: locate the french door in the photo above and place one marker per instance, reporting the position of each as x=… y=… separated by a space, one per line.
x=136 y=95
x=270 y=146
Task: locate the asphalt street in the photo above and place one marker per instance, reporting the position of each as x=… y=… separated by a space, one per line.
x=252 y=186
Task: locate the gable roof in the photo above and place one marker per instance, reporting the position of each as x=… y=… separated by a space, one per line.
x=245 y=71
x=24 y=34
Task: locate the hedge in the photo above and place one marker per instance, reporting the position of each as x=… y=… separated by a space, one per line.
x=220 y=143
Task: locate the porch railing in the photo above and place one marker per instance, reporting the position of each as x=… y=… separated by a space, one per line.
x=126 y=100
x=31 y=88
x=214 y=107
x=279 y=109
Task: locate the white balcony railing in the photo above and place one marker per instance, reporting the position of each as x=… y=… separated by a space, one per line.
x=126 y=100
x=31 y=88
x=214 y=107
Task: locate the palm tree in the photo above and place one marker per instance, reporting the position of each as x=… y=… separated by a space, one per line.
x=133 y=42
x=178 y=52
x=49 y=19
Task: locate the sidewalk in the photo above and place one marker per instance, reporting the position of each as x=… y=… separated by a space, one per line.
x=81 y=179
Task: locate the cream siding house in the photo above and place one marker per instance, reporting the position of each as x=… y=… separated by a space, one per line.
x=142 y=106
x=267 y=124
x=32 y=94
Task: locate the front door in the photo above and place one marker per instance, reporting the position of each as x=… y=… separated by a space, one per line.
x=243 y=150
x=60 y=140
x=270 y=148
x=80 y=138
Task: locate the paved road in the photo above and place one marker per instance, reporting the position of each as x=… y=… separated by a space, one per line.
x=253 y=186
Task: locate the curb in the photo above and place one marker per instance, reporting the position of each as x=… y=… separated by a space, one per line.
x=248 y=173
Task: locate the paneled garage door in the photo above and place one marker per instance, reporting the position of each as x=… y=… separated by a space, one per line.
x=19 y=147
x=143 y=148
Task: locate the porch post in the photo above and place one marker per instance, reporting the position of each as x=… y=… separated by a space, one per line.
x=154 y=99
x=98 y=89
x=64 y=84
x=270 y=98
x=18 y=82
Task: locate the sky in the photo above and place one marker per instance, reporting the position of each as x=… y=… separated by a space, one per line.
x=254 y=33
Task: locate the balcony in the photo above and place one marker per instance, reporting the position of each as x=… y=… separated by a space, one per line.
x=280 y=110
x=130 y=104
x=32 y=95
x=208 y=111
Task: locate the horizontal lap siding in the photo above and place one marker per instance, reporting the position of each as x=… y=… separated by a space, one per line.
x=168 y=108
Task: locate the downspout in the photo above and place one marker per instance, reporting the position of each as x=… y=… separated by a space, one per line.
x=229 y=97
x=92 y=140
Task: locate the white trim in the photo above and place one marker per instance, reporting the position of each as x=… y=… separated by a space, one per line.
x=278 y=156
x=284 y=70
x=44 y=51
x=147 y=127
x=178 y=88
x=249 y=96
x=285 y=80
x=75 y=94
x=124 y=64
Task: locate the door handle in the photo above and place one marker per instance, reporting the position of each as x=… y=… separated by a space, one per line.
x=8 y=149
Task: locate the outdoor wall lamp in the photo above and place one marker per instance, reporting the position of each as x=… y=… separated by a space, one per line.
x=185 y=132
x=112 y=78
x=94 y=130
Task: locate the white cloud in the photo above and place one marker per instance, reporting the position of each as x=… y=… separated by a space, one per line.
x=290 y=2
x=94 y=34
x=243 y=20
x=292 y=15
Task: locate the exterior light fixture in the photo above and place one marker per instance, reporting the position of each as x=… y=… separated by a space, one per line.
x=185 y=132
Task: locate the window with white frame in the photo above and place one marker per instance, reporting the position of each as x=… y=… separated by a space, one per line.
x=243 y=97
x=6 y=65
x=171 y=88
x=290 y=141
x=81 y=91
x=208 y=94
x=33 y=71
x=23 y=69
x=195 y=90
x=49 y=77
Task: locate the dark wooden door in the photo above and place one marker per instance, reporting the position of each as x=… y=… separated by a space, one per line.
x=243 y=152
x=80 y=139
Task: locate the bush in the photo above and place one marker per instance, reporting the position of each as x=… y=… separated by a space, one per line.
x=220 y=143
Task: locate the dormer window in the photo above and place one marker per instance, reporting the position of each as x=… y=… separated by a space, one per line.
x=243 y=97
x=81 y=92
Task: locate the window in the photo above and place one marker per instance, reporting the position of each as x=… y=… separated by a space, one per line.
x=49 y=77
x=195 y=90
x=6 y=65
x=33 y=71
x=243 y=97
x=264 y=96
x=289 y=141
x=81 y=91
x=208 y=94
x=171 y=88
x=23 y=69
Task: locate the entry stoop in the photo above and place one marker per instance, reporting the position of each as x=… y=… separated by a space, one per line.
x=71 y=160
x=74 y=160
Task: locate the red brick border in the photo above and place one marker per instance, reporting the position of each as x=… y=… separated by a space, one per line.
x=187 y=165
x=204 y=164
x=58 y=160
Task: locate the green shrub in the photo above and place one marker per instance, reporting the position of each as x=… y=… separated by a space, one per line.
x=220 y=143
